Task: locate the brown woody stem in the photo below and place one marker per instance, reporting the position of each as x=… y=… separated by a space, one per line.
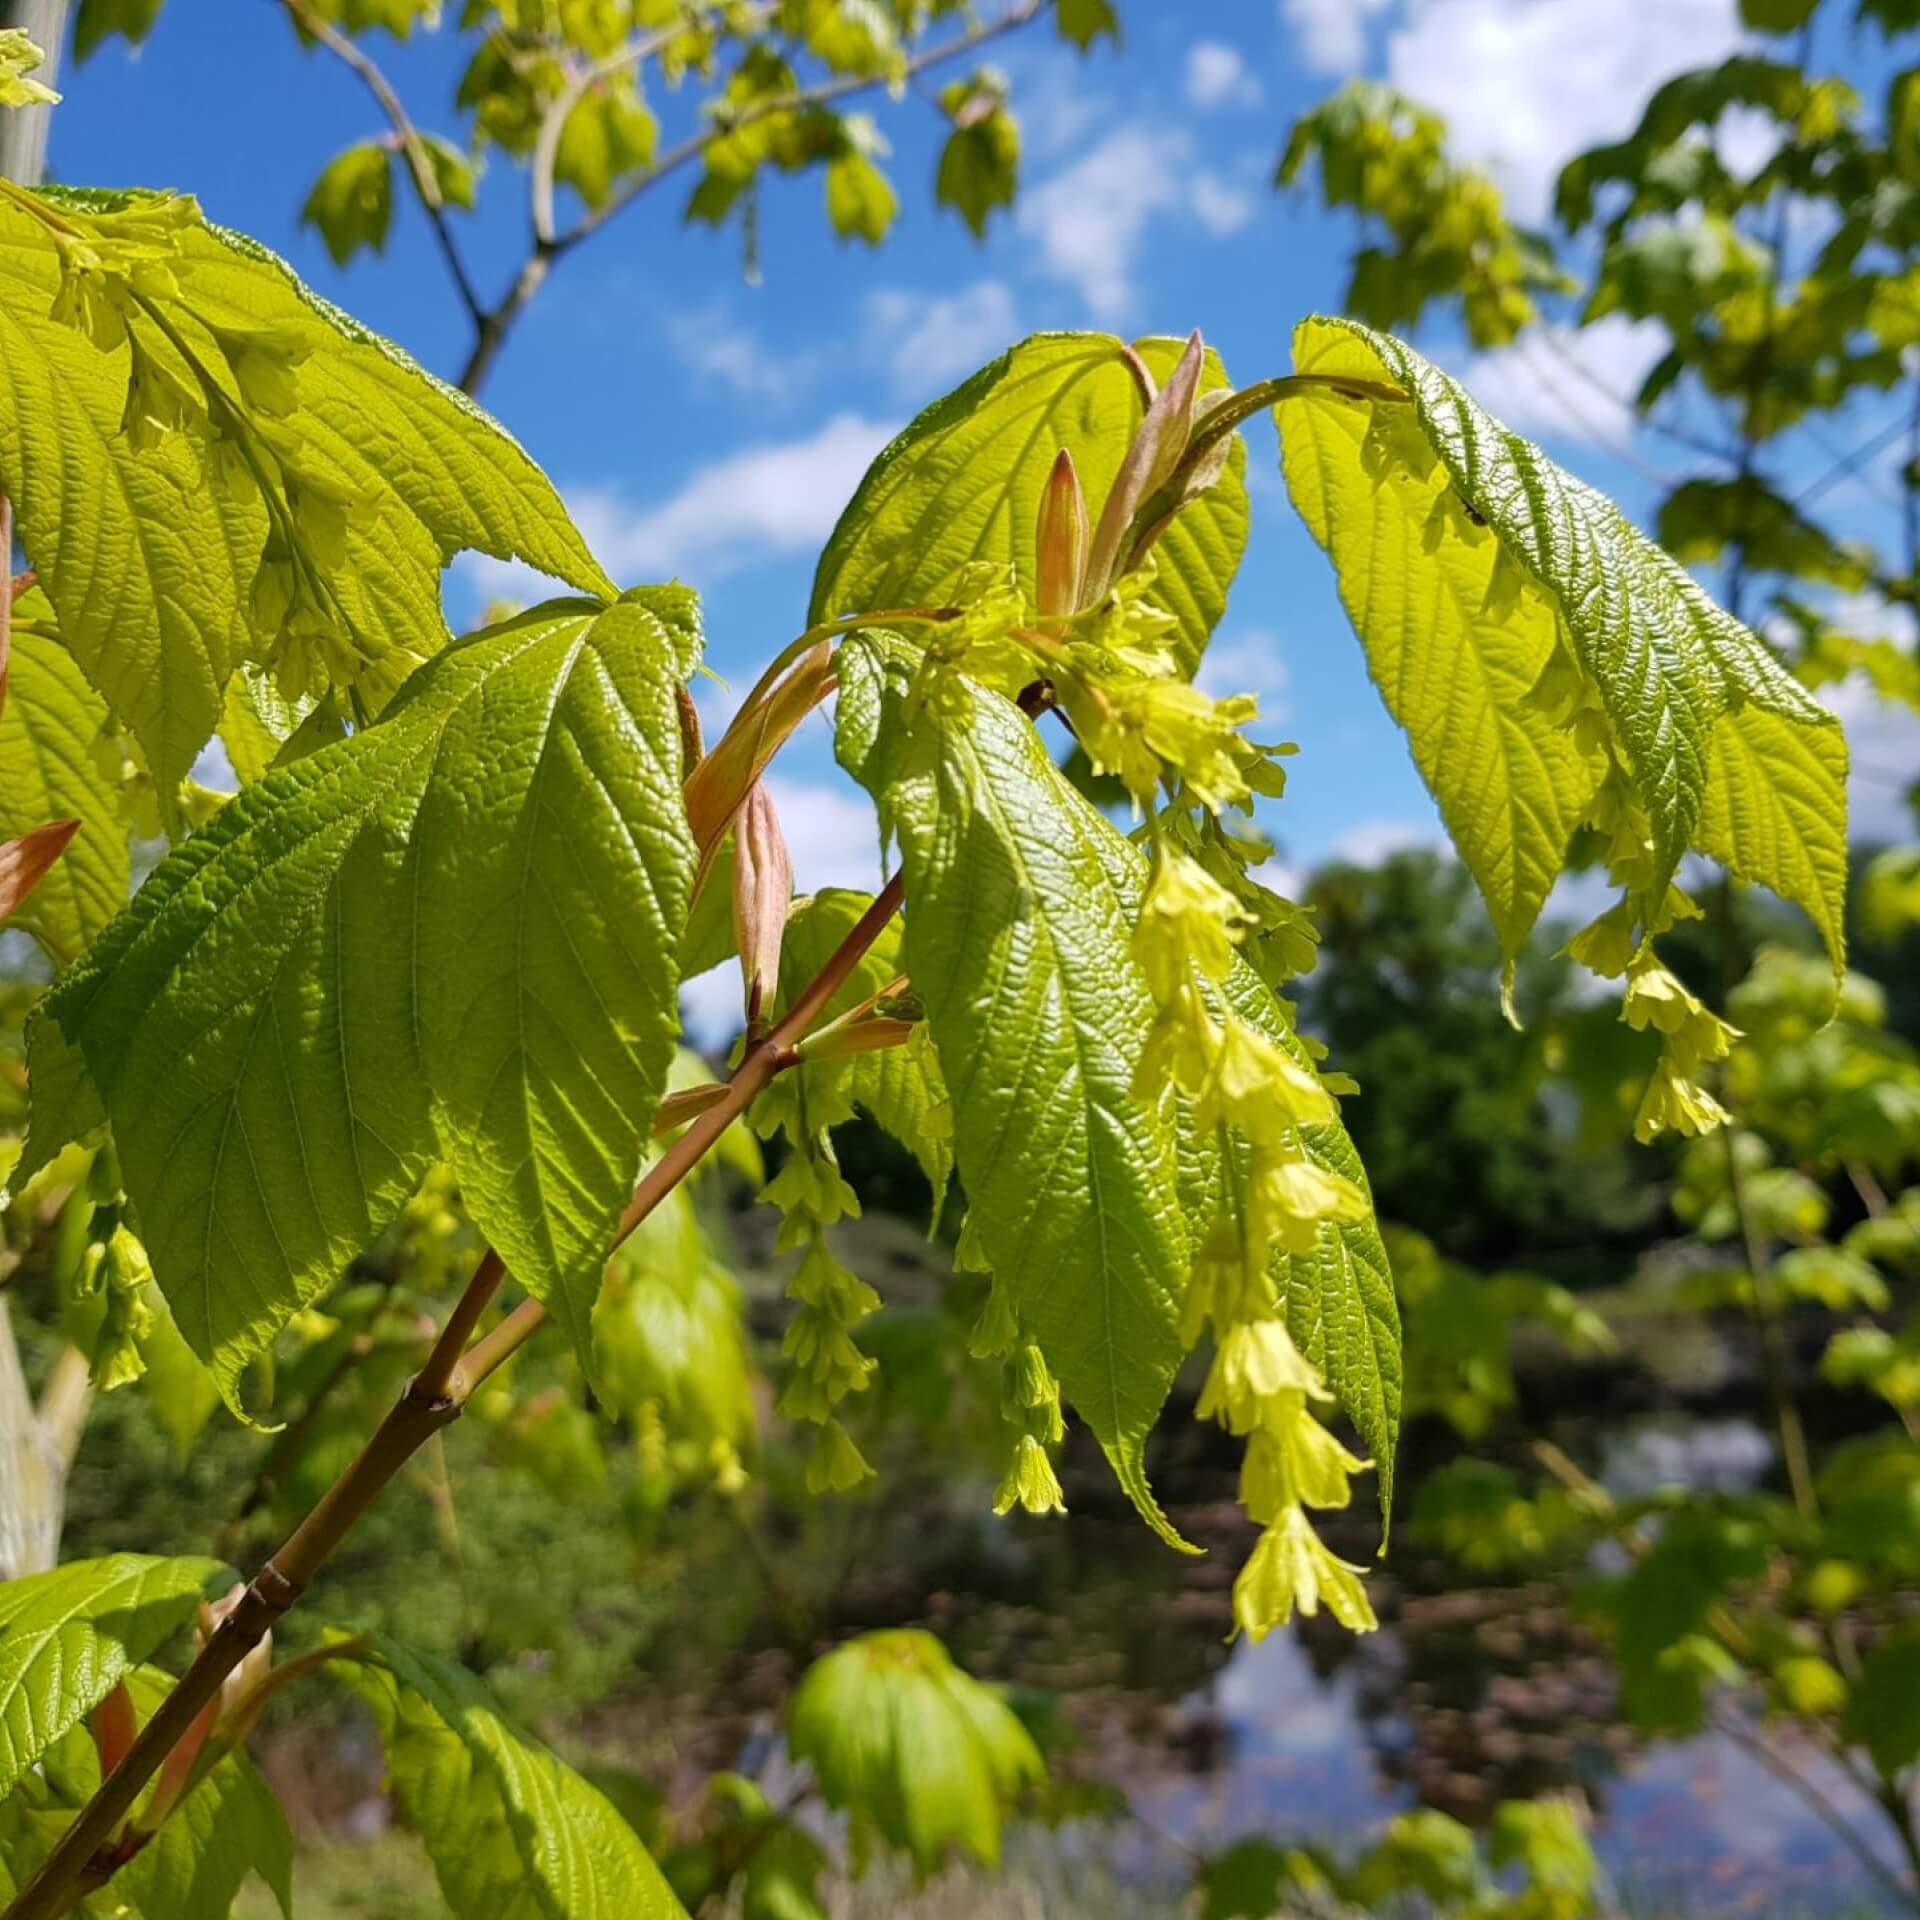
x=433 y=1400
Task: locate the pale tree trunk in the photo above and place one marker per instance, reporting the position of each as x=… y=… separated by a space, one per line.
x=23 y=131
x=37 y=1444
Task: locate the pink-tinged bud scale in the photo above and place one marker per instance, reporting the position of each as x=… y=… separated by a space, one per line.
x=1060 y=560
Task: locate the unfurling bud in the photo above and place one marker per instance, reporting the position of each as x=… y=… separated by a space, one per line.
x=1060 y=563
x=1157 y=446
x=762 y=892
x=237 y=1713
x=112 y=1725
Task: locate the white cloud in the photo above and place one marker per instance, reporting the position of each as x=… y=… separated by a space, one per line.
x=715 y=346
x=780 y=497
x=1372 y=841
x=1217 y=76
x=1090 y=220
x=832 y=834
x=1247 y=662
x=1883 y=745
x=1526 y=84
x=1332 y=33
x=931 y=341
x=1220 y=208
x=1286 y=877
x=1574 y=384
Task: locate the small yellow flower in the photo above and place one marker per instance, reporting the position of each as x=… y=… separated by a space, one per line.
x=1292 y=1460
x=1288 y=1198
x=1674 y=1101
x=1030 y=1482
x=835 y=1463
x=1606 y=945
x=1291 y=1566
x=1188 y=919
x=1254 y=1361
x=1261 y=1089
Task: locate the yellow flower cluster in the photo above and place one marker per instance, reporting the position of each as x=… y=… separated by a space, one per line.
x=1029 y=1402
x=1618 y=942
x=1690 y=1037
x=826 y=1365
x=1262 y=1386
x=1258 y=1098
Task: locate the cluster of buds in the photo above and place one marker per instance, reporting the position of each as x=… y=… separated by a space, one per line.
x=1029 y=1396
x=1094 y=630
x=230 y=383
x=825 y=1364
x=1690 y=1037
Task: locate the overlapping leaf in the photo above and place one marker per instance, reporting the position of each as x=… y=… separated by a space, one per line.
x=1723 y=749
x=69 y=1637
x=49 y=720
x=1016 y=942
x=963 y=483
x=152 y=581
x=914 y=1748
x=513 y=1832
x=451 y=937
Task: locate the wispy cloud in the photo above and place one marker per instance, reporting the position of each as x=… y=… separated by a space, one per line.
x=1090 y=221
x=1218 y=76
x=1247 y=662
x=1575 y=384
x=716 y=347
x=749 y=507
x=1372 y=841
x=929 y=341
x=1526 y=84
x=1332 y=34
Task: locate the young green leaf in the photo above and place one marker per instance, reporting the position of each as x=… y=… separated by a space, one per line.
x=451 y=937
x=901 y=1087
x=1016 y=942
x=69 y=1637
x=861 y=201
x=160 y=587
x=351 y=204
x=49 y=770
x=513 y=1832
x=1463 y=554
x=913 y=1747
x=964 y=483
x=668 y=1330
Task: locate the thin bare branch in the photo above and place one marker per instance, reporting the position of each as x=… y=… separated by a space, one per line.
x=419 y=162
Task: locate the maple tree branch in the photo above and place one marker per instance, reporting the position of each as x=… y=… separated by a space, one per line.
x=494 y=324
x=426 y=183
x=432 y=1401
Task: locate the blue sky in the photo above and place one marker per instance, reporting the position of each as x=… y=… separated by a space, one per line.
x=709 y=428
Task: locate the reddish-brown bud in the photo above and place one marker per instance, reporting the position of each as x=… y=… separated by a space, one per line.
x=113 y=1727
x=762 y=892
x=1157 y=446
x=1060 y=558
